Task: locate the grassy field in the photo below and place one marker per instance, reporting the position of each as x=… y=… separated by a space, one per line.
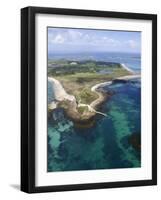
x=79 y=83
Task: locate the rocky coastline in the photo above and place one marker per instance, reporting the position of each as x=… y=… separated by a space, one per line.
x=71 y=106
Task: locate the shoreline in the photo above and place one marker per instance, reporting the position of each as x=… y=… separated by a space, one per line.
x=128 y=77
x=59 y=93
x=127 y=68
x=124 y=78
x=71 y=109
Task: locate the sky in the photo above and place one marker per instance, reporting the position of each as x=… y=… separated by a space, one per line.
x=68 y=40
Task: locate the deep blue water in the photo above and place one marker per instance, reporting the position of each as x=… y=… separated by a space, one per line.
x=107 y=144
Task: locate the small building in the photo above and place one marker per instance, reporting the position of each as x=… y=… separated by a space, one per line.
x=73 y=63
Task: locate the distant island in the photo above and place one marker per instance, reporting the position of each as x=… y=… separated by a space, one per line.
x=77 y=87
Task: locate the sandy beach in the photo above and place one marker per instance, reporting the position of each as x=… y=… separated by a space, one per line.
x=129 y=77
x=60 y=94
x=101 y=97
x=127 y=68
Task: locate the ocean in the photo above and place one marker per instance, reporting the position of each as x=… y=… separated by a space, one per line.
x=114 y=141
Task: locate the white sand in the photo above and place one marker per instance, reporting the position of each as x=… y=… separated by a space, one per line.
x=127 y=68
x=59 y=93
x=93 y=89
x=128 y=77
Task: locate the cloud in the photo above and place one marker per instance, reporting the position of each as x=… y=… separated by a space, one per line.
x=74 y=34
x=75 y=37
x=63 y=38
x=105 y=41
x=133 y=44
x=59 y=39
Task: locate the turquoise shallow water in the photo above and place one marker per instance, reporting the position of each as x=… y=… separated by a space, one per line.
x=107 y=144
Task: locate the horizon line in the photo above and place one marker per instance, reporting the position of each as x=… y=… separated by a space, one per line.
x=74 y=52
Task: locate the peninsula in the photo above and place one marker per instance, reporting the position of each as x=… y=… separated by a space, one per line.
x=76 y=86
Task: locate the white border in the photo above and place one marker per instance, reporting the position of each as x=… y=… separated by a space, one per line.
x=94 y=176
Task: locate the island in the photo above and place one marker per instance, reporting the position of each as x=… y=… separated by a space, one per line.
x=77 y=87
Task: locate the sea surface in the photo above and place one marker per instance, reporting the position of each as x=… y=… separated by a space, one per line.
x=112 y=142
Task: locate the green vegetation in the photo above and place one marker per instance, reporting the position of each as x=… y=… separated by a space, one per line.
x=64 y=104
x=82 y=109
x=62 y=67
x=77 y=77
x=85 y=95
x=49 y=109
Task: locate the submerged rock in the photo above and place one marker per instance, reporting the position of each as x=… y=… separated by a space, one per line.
x=135 y=141
x=120 y=81
x=58 y=114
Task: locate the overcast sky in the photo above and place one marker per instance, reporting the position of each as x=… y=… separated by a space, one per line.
x=67 y=40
